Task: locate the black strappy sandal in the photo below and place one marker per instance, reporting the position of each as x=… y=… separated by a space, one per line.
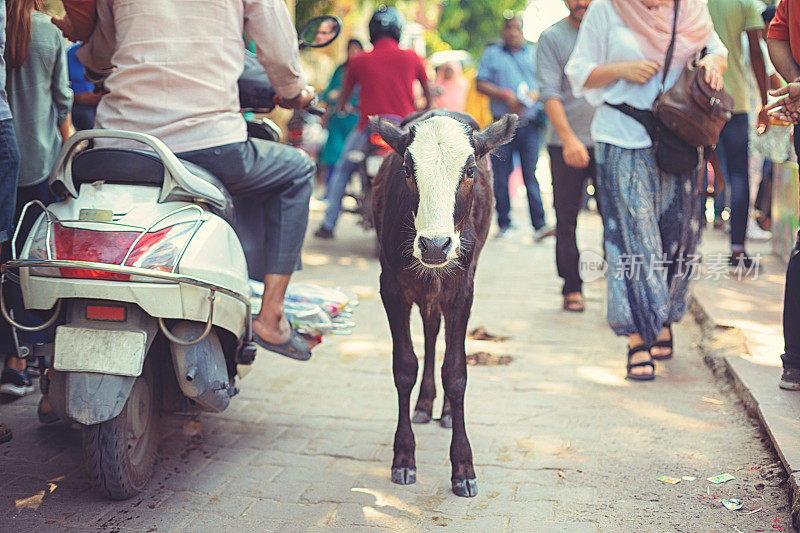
x=663 y=344
x=640 y=377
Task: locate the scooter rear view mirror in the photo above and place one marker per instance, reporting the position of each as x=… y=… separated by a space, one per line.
x=320 y=32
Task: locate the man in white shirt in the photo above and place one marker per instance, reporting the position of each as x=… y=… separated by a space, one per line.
x=170 y=69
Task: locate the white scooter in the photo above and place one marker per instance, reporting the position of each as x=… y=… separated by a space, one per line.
x=142 y=244
x=147 y=287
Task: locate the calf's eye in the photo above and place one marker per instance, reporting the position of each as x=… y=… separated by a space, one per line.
x=406 y=171
x=470 y=173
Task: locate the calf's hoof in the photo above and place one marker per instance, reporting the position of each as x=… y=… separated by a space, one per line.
x=466 y=488
x=446 y=421
x=421 y=417
x=404 y=476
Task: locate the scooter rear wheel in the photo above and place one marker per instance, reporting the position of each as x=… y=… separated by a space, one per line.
x=120 y=453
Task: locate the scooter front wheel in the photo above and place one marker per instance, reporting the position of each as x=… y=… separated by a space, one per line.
x=120 y=453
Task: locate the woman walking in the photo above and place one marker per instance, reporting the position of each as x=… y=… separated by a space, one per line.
x=651 y=218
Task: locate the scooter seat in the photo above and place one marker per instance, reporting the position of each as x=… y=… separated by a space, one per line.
x=138 y=167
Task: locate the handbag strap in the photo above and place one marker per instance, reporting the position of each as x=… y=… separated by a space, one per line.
x=670 y=50
x=705 y=189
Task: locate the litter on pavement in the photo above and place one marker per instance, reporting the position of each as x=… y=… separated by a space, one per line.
x=722 y=478
x=712 y=400
x=668 y=479
x=733 y=504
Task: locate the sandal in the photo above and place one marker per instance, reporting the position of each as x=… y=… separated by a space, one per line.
x=574 y=305
x=663 y=344
x=295 y=347
x=640 y=377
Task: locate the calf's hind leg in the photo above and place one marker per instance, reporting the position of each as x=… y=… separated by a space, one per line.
x=404 y=368
x=431 y=320
x=454 y=379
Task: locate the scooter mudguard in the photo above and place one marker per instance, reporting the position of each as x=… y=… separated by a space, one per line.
x=200 y=368
x=87 y=397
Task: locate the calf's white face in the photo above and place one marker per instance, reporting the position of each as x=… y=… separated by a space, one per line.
x=441 y=153
x=439 y=156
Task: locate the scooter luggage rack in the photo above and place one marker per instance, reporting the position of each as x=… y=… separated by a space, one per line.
x=132 y=271
x=51 y=219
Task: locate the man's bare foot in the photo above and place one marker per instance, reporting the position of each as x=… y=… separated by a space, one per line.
x=573 y=301
x=276 y=330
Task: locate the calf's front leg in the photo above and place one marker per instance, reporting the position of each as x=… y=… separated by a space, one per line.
x=454 y=380
x=404 y=368
x=431 y=321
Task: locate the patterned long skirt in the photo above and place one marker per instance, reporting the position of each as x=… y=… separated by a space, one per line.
x=652 y=227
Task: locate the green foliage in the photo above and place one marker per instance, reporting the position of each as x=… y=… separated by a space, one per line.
x=306 y=9
x=472 y=24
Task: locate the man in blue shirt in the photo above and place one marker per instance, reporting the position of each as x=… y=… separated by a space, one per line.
x=507 y=75
x=85 y=100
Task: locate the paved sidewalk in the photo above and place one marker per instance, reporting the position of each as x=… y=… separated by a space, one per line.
x=744 y=320
x=562 y=442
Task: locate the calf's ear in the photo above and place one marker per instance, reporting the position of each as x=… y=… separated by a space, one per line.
x=494 y=135
x=394 y=136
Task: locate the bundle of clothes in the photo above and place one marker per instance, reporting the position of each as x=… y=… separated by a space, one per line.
x=313 y=310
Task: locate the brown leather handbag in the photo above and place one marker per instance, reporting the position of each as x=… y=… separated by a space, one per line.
x=694 y=112
x=692 y=109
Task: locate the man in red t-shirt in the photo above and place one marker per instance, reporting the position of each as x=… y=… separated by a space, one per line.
x=386 y=78
x=783 y=41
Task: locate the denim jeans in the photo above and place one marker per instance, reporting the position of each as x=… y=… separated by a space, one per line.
x=13 y=292
x=342 y=171
x=271 y=186
x=526 y=142
x=732 y=150
x=9 y=168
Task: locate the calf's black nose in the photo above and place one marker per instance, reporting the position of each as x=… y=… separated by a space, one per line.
x=434 y=251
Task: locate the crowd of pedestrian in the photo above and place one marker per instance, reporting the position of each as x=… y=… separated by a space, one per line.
x=581 y=89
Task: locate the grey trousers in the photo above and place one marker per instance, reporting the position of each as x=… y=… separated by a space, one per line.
x=271 y=187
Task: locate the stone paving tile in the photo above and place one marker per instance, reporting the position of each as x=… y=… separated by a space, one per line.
x=496 y=524
x=294 y=513
x=203 y=522
x=144 y=519
x=534 y=510
x=295 y=460
x=191 y=502
x=384 y=516
x=37 y=525
x=522 y=525
x=527 y=492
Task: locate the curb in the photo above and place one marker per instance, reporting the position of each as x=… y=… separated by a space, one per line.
x=758 y=391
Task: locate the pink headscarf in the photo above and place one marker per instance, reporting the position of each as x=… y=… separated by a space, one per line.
x=651 y=22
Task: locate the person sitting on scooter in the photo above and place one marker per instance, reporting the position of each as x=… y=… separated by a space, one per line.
x=170 y=71
x=386 y=78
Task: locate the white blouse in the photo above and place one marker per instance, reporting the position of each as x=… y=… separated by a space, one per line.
x=602 y=39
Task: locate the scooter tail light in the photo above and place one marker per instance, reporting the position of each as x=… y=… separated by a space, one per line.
x=157 y=250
